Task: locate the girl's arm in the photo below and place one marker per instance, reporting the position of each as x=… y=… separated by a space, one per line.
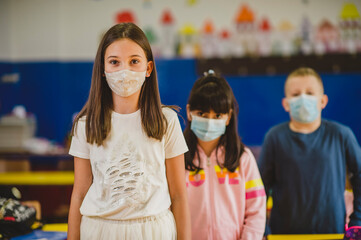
x=255 y=211
x=83 y=178
x=177 y=189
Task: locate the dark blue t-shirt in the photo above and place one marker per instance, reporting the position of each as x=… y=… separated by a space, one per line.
x=307 y=174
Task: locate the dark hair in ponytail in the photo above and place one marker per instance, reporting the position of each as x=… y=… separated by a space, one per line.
x=212 y=92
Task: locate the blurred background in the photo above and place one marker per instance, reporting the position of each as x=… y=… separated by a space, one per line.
x=47 y=48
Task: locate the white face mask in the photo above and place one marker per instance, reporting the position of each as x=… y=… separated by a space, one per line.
x=304 y=108
x=208 y=129
x=125 y=82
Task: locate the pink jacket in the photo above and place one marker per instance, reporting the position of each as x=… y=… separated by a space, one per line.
x=226 y=205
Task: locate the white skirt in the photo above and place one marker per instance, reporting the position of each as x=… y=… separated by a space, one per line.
x=159 y=227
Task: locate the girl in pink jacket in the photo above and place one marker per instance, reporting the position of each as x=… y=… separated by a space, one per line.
x=226 y=194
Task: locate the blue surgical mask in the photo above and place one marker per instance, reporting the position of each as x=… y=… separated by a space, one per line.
x=208 y=129
x=304 y=108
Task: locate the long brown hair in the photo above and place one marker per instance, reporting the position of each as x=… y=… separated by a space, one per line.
x=99 y=105
x=212 y=92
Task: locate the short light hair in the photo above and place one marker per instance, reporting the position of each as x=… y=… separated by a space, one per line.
x=303 y=72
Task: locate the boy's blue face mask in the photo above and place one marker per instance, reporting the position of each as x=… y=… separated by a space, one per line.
x=208 y=129
x=304 y=108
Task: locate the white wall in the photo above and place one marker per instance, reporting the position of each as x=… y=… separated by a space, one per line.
x=52 y=30
x=5 y=51
x=34 y=29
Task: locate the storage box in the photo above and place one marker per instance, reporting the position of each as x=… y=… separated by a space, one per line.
x=14 y=131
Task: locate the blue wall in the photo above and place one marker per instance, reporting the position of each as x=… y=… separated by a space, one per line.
x=53 y=91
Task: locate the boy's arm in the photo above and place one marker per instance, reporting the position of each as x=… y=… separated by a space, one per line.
x=175 y=171
x=255 y=211
x=83 y=178
x=353 y=158
x=267 y=169
x=266 y=164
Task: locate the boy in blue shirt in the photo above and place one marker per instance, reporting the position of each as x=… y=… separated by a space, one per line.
x=304 y=162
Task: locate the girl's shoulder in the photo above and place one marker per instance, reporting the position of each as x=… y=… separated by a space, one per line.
x=80 y=123
x=247 y=152
x=247 y=156
x=169 y=113
x=79 y=126
x=82 y=119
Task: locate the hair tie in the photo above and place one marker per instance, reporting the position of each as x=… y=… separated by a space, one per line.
x=210 y=72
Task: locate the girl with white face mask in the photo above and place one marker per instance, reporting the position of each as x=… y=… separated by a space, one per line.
x=225 y=191
x=128 y=149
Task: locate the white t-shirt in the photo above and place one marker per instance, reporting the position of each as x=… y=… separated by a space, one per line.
x=129 y=174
